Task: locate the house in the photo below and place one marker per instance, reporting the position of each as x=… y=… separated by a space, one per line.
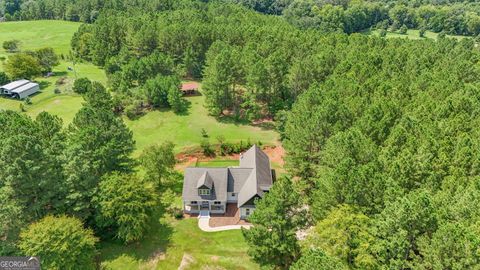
x=211 y=189
x=20 y=89
x=189 y=88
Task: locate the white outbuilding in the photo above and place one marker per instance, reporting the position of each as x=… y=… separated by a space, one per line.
x=20 y=89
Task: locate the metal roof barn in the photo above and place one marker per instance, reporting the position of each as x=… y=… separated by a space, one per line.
x=7 y=88
x=25 y=90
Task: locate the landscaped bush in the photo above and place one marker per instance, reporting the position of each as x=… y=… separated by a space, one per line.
x=227 y=148
x=176 y=212
x=207 y=148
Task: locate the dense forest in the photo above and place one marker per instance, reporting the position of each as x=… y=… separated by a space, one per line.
x=348 y=16
x=381 y=135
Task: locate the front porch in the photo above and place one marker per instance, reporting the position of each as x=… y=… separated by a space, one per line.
x=213 y=207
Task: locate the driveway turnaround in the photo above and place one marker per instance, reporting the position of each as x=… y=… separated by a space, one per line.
x=203 y=224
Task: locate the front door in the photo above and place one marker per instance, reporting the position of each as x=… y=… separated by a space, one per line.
x=204 y=206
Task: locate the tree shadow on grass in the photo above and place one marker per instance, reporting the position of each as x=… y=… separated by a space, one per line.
x=60 y=73
x=155 y=242
x=265 y=126
x=231 y=119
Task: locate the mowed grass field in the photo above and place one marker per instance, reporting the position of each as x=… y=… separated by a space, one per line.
x=185 y=129
x=170 y=241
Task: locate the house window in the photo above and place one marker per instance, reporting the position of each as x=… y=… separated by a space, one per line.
x=234 y=194
x=193 y=202
x=217 y=202
x=247 y=211
x=203 y=192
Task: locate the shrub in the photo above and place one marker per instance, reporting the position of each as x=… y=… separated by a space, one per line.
x=421 y=33
x=207 y=148
x=57 y=91
x=27 y=101
x=234 y=148
x=176 y=212
x=403 y=29
x=204 y=133
x=11 y=46
x=22 y=107
x=442 y=35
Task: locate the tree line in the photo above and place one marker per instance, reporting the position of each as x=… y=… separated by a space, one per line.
x=452 y=17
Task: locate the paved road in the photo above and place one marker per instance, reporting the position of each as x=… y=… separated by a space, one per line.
x=203 y=224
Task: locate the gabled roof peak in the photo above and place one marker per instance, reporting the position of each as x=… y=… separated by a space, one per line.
x=205 y=180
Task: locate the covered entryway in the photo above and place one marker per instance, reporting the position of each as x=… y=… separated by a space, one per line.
x=205 y=205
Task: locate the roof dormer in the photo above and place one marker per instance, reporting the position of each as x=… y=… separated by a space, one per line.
x=205 y=184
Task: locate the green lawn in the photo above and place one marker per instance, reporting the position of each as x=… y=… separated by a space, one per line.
x=168 y=241
x=218 y=163
x=411 y=34
x=185 y=130
x=39 y=34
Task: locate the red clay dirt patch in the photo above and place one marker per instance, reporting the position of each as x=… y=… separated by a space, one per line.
x=190 y=158
x=275 y=153
x=231 y=217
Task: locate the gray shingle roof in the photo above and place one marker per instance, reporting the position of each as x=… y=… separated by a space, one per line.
x=218 y=177
x=261 y=178
x=237 y=177
x=252 y=178
x=205 y=180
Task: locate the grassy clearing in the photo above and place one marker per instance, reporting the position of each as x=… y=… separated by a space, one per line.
x=39 y=34
x=170 y=239
x=411 y=34
x=185 y=130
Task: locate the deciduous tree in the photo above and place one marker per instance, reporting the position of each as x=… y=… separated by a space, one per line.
x=60 y=242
